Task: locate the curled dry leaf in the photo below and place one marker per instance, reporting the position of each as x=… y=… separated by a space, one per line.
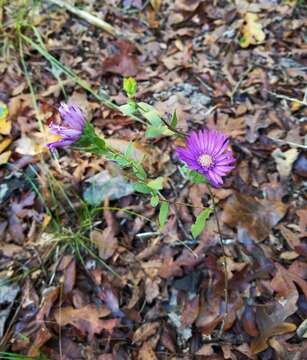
x=258 y=217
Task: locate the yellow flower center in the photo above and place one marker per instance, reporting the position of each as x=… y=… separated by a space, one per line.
x=205 y=160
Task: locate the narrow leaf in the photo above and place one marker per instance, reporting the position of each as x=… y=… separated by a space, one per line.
x=163 y=214
x=142 y=188
x=200 y=222
x=174 y=120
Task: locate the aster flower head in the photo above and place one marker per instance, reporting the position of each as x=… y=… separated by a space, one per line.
x=207 y=152
x=70 y=131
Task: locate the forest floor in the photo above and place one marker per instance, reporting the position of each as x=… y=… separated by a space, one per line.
x=85 y=271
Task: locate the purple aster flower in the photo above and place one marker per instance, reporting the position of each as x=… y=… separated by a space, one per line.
x=73 y=122
x=207 y=152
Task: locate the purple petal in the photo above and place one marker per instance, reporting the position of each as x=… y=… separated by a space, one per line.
x=60 y=143
x=185 y=154
x=72 y=116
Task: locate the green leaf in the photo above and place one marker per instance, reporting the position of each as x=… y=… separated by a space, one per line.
x=153 y=132
x=129 y=150
x=142 y=188
x=156 y=184
x=200 y=222
x=163 y=214
x=139 y=171
x=154 y=201
x=174 y=120
x=128 y=109
x=153 y=117
x=150 y=113
x=130 y=86
x=197 y=178
x=144 y=107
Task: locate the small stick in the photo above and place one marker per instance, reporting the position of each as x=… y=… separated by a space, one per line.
x=221 y=331
x=94 y=20
x=288 y=98
x=238 y=84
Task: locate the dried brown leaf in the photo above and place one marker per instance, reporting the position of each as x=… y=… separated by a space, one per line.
x=124 y=62
x=273 y=324
x=145 y=331
x=86 y=319
x=258 y=217
x=147 y=353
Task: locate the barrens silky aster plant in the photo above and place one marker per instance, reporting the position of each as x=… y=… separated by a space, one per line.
x=71 y=129
x=207 y=152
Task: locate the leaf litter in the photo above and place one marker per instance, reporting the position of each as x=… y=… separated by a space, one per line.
x=110 y=284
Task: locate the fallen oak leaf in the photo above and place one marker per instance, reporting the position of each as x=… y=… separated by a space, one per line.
x=260 y=344
x=258 y=217
x=284 y=282
x=86 y=319
x=273 y=324
x=106 y=242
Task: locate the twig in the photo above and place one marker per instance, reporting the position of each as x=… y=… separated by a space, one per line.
x=288 y=98
x=86 y=16
x=221 y=331
x=238 y=84
x=295 y=145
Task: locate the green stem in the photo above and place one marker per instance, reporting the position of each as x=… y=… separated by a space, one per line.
x=221 y=331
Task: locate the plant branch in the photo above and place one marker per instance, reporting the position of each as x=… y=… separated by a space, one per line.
x=178 y=132
x=94 y=20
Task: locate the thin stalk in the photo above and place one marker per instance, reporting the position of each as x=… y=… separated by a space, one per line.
x=221 y=331
x=178 y=132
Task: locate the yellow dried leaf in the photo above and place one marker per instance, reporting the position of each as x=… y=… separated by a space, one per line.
x=4 y=157
x=252 y=33
x=156 y=4
x=4 y=144
x=27 y=146
x=5 y=124
x=295 y=106
x=46 y=221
